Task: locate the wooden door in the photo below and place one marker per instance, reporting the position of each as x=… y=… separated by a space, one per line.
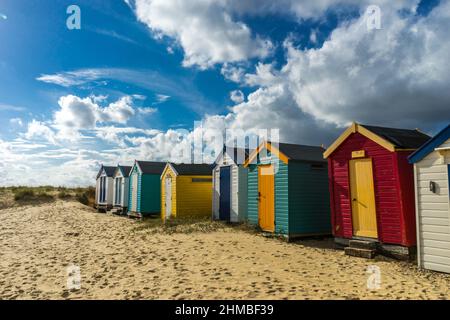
x=134 y=192
x=266 y=187
x=168 y=202
x=225 y=193
x=362 y=192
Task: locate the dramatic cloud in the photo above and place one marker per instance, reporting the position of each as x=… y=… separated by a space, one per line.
x=205 y=29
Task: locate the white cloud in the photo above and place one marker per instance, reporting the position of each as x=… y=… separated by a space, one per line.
x=205 y=30
x=147 y=110
x=232 y=72
x=162 y=98
x=37 y=129
x=16 y=121
x=237 y=96
x=9 y=107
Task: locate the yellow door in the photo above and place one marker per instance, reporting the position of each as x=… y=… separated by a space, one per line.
x=266 y=198
x=363 y=198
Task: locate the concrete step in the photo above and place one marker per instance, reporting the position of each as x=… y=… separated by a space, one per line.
x=361 y=253
x=363 y=244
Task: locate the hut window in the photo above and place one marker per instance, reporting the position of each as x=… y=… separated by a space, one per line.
x=317 y=166
x=201 y=179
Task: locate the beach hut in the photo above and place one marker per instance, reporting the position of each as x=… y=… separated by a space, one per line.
x=432 y=183
x=230 y=185
x=145 y=188
x=186 y=190
x=104 y=188
x=121 y=189
x=288 y=190
x=371 y=189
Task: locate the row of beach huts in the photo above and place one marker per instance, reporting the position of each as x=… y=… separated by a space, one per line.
x=375 y=189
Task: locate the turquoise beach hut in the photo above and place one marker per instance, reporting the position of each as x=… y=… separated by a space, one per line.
x=288 y=190
x=145 y=188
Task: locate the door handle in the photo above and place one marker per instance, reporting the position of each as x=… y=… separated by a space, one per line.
x=353 y=199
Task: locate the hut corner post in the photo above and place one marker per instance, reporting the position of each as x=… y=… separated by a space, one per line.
x=419 y=260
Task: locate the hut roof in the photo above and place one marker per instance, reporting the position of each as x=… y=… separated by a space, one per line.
x=151 y=167
x=125 y=170
x=109 y=171
x=430 y=145
x=400 y=138
x=392 y=139
x=290 y=152
x=192 y=169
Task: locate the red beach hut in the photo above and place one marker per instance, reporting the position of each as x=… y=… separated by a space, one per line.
x=372 y=189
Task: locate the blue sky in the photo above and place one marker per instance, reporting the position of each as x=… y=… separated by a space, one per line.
x=120 y=87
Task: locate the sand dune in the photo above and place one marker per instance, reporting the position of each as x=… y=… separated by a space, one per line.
x=118 y=261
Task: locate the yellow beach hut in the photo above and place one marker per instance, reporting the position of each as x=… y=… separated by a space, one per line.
x=186 y=190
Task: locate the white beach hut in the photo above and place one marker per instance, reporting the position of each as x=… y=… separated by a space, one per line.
x=104 y=188
x=121 y=189
x=230 y=185
x=432 y=176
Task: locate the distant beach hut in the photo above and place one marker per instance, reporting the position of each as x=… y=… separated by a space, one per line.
x=230 y=185
x=104 y=188
x=432 y=183
x=186 y=190
x=288 y=190
x=371 y=189
x=145 y=188
x=121 y=189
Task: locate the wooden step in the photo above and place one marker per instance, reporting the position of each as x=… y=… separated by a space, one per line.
x=363 y=244
x=361 y=253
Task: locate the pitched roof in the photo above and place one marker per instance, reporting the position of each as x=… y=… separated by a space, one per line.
x=233 y=152
x=109 y=171
x=430 y=145
x=392 y=139
x=400 y=138
x=290 y=152
x=125 y=170
x=192 y=169
x=151 y=167
x=302 y=152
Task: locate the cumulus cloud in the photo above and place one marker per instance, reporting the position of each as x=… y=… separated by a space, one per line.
x=205 y=30
x=38 y=129
x=237 y=96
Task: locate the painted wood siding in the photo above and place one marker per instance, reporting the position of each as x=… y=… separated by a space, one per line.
x=388 y=204
x=405 y=190
x=242 y=193
x=193 y=198
x=97 y=190
x=281 y=196
x=235 y=187
x=163 y=193
x=433 y=212
x=133 y=193
x=150 y=194
x=216 y=192
x=282 y=199
x=234 y=193
x=252 y=194
x=309 y=199
x=125 y=191
x=139 y=192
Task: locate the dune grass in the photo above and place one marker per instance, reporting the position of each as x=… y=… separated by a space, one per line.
x=22 y=195
x=187 y=225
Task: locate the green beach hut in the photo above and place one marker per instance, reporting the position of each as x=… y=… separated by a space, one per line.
x=288 y=190
x=145 y=188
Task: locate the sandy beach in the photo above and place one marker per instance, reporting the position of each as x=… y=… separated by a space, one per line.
x=120 y=260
